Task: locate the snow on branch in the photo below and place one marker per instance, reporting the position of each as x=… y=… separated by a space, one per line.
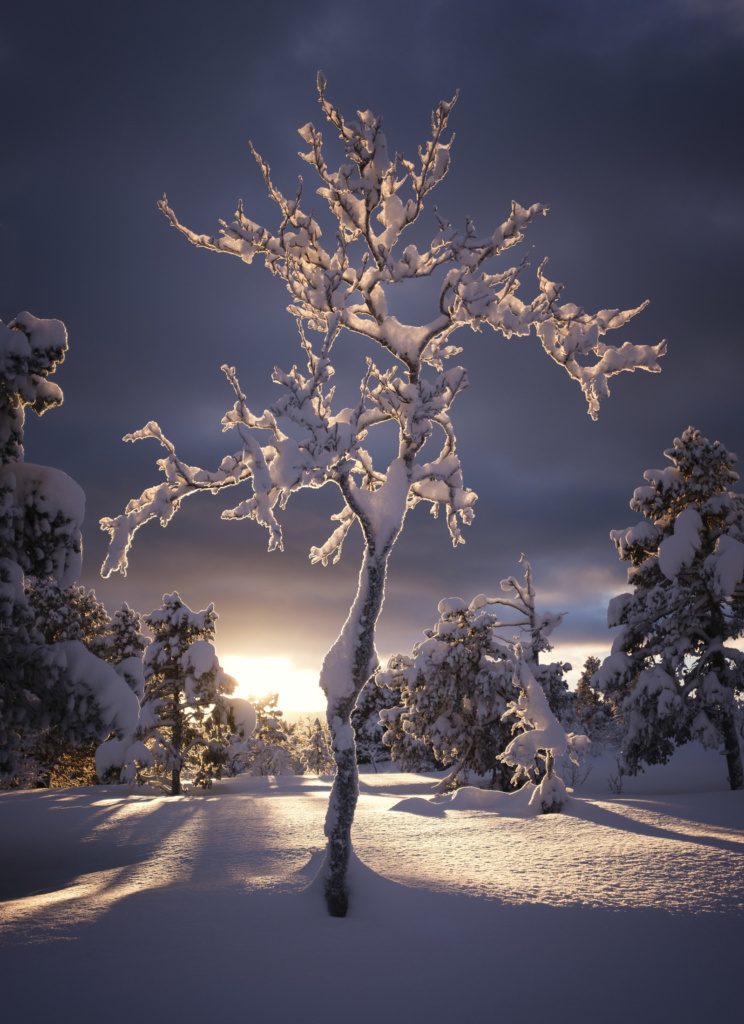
x=340 y=282
x=369 y=190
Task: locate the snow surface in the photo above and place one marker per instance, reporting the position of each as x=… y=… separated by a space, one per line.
x=201 y=907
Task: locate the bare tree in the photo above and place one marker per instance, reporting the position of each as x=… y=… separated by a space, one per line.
x=374 y=199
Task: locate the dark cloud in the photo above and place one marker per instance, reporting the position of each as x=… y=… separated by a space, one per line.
x=624 y=117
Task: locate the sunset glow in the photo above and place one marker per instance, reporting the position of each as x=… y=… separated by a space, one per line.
x=297 y=688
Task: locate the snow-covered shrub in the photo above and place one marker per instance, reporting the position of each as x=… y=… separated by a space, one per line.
x=540 y=738
x=184 y=712
x=672 y=668
x=340 y=280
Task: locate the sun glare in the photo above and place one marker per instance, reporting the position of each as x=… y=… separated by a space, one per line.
x=297 y=688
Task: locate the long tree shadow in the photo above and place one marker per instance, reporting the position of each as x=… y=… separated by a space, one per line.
x=40 y=854
x=589 y=811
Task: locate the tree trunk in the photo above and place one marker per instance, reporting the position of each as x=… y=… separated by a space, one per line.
x=732 y=751
x=346 y=668
x=177 y=744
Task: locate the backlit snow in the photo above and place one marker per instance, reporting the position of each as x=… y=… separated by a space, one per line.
x=201 y=907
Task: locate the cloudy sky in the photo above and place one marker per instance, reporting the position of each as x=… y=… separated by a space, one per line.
x=625 y=118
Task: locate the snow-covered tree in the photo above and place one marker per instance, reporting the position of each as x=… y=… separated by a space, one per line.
x=595 y=713
x=74 y=613
x=540 y=737
x=123 y=638
x=44 y=686
x=270 y=750
x=241 y=723
x=123 y=646
x=365 y=721
x=672 y=664
x=341 y=282
x=454 y=691
x=67 y=613
x=60 y=614
x=316 y=753
x=457 y=687
x=184 y=711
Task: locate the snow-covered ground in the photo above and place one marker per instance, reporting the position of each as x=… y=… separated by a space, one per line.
x=122 y=907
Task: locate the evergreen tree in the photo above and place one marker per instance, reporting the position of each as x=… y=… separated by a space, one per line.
x=123 y=638
x=454 y=691
x=458 y=686
x=316 y=753
x=61 y=614
x=269 y=751
x=184 y=712
x=74 y=613
x=587 y=699
x=365 y=721
x=58 y=689
x=672 y=659
x=67 y=613
x=123 y=646
x=596 y=712
x=552 y=679
x=409 y=752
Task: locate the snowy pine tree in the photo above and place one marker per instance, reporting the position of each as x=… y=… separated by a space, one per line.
x=365 y=721
x=123 y=646
x=457 y=688
x=60 y=614
x=123 y=638
x=374 y=197
x=45 y=687
x=672 y=664
x=594 y=711
x=316 y=753
x=269 y=750
x=67 y=613
x=184 y=712
x=454 y=691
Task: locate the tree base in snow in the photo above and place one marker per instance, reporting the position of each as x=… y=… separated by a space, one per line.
x=337 y=901
x=551 y=795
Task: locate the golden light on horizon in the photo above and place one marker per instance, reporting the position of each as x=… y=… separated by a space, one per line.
x=297 y=688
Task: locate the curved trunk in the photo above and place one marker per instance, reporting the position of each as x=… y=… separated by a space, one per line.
x=346 y=668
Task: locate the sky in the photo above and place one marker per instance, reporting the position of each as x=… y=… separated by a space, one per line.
x=626 y=119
